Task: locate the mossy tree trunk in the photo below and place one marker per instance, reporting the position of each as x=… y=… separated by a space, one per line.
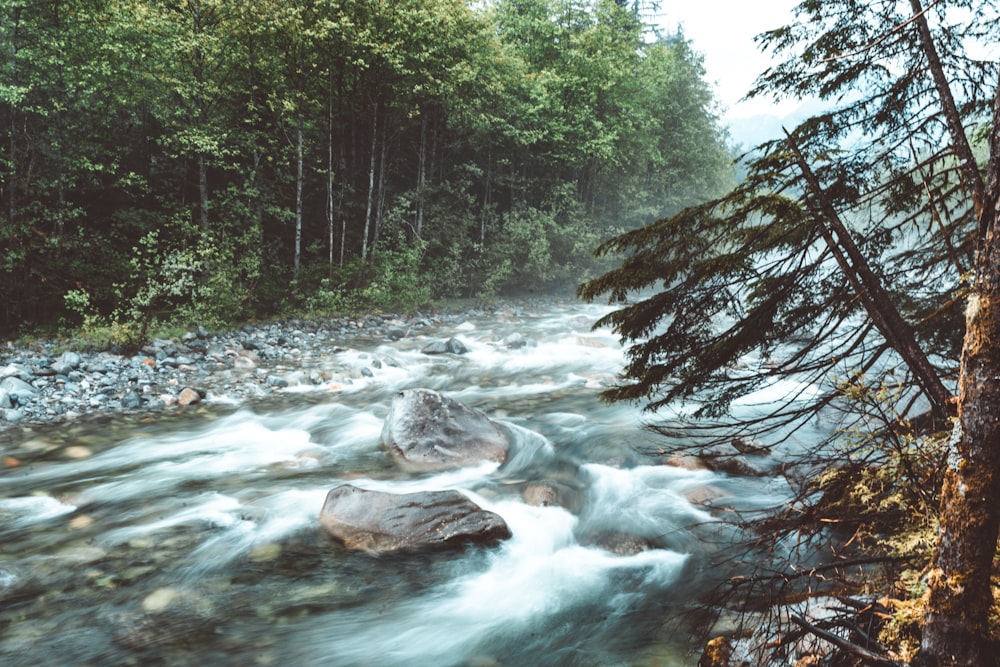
x=960 y=593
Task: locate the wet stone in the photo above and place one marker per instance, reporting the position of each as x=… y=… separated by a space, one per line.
x=18 y=388
x=188 y=396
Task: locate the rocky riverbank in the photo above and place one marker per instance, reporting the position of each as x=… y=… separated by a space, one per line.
x=49 y=381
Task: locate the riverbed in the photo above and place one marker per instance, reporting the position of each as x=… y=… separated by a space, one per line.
x=189 y=535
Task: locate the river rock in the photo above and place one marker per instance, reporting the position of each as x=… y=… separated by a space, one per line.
x=15 y=370
x=131 y=400
x=515 y=341
x=18 y=388
x=189 y=396
x=426 y=431
x=67 y=362
x=540 y=495
x=450 y=346
x=395 y=333
x=616 y=542
x=246 y=359
x=729 y=459
x=379 y=522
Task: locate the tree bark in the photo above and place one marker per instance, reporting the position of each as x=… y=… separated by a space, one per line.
x=340 y=201
x=956 y=623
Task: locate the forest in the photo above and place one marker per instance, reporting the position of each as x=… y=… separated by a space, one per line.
x=205 y=161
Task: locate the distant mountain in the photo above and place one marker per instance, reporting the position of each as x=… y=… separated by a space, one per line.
x=745 y=133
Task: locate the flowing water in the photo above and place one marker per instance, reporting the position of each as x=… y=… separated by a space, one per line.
x=191 y=538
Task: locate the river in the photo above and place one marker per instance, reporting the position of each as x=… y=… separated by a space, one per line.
x=190 y=537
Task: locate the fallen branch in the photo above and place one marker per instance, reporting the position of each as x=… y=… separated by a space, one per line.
x=844 y=645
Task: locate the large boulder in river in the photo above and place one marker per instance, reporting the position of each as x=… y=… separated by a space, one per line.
x=425 y=430
x=379 y=522
x=450 y=346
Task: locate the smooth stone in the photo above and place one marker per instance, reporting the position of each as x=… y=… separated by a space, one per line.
x=17 y=387
x=159 y=599
x=426 y=431
x=377 y=522
x=15 y=370
x=515 y=341
x=188 y=396
x=450 y=346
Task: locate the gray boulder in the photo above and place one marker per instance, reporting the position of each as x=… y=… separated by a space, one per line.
x=395 y=333
x=515 y=341
x=379 y=522
x=450 y=346
x=67 y=362
x=427 y=431
x=15 y=370
x=740 y=457
x=18 y=389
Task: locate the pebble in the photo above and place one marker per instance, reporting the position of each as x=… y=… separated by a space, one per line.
x=77 y=452
x=41 y=383
x=159 y=599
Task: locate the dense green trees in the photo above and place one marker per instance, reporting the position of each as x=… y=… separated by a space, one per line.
x=215 y=160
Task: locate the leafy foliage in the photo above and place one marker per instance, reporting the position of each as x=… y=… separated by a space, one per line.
x=194 y=160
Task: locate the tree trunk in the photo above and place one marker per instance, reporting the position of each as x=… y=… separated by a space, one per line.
x=329 y=173
x=342 y=163
x=329 y=192
x=203 y=191
x=340 y=202
x=10 y=186
x=880 y=308
x=421 y=175
x=487 y=198
x=959 y=141
x=956 y=623
x=298 y=201
x=371 y=184
x=380 y=198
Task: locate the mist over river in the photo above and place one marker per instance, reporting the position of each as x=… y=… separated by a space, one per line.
x=190 y=536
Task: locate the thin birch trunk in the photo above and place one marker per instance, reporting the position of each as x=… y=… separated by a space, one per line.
x=203 y=191
x=371 y=184
x=421 y=175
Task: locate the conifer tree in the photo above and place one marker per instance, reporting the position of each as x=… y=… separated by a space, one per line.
x=749 y=272
x=753 y=277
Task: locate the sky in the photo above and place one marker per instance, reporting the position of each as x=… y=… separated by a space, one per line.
x=723 y=31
